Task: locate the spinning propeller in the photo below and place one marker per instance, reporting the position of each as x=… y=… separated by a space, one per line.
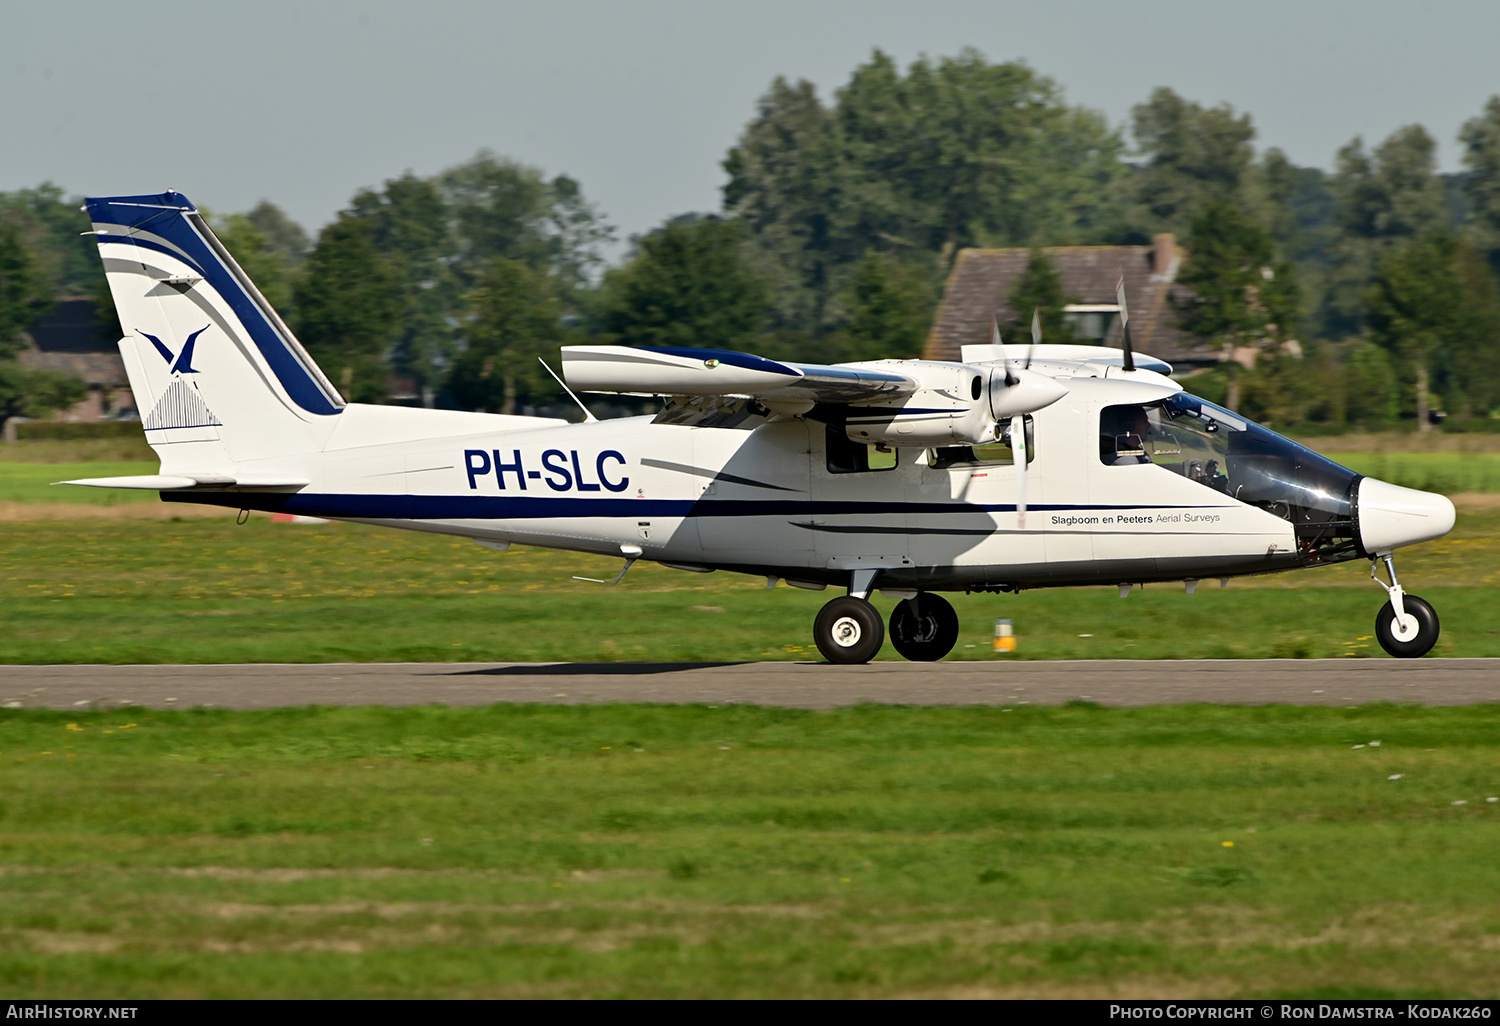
x=1019 y=392
x=1124 y=324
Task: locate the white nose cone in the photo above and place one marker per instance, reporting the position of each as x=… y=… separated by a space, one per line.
x=1391 y=516
x=1031 y=392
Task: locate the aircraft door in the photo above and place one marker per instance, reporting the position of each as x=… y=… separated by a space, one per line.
x=753 y=493
x=858 y=514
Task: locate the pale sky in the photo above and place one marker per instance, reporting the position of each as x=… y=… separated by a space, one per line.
x=305 y=102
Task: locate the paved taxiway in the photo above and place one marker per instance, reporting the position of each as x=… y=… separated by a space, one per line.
x=804 y=685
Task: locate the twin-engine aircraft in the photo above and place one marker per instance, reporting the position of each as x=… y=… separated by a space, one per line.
x=1016 y=467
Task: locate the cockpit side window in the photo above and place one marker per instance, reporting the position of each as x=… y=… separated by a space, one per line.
x=1181 y=440
x=1123 y=435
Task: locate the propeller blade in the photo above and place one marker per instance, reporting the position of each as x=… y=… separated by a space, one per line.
x=1036 y=336
x=1018 y=454
x=1124 y=324
x=1010 y=378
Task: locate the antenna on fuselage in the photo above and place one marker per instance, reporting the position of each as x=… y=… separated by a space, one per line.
x=1124 y=323
x=587 y=416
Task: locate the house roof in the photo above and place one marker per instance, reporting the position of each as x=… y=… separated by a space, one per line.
x=981 y=282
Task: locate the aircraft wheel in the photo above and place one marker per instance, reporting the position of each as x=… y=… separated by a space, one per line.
x=848 y=630
x=927 y=633
x=1413 y=638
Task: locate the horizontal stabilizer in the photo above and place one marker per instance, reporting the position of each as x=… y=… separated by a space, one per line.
x=714 y=372
x=176 y=483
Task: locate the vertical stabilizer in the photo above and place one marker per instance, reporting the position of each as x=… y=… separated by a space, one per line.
x=217 y=376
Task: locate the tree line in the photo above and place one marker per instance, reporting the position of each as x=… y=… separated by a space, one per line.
x=1368 y=292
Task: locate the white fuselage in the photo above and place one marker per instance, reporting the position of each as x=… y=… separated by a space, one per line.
x=765 y=501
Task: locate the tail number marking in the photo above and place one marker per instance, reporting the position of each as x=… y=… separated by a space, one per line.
x=560 y=476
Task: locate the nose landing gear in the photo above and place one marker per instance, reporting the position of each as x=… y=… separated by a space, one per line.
x=1406 y=626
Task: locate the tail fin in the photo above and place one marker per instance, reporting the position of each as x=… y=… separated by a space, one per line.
x=217 y=376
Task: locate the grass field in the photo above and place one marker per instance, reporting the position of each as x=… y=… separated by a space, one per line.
x=37 y=483
x=694 y=851
x=1447 y=472
x=638 y=851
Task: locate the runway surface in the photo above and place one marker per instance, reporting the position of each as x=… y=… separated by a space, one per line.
x=800 y=685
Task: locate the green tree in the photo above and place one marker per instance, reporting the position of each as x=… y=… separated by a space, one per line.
x=890 y=311
x=499 y=208
x=1385 y=199
x=35 y=393
x=1040 y=288
x=1371 y=388
x=24 y=295
x=52 y=225
x=1194 y=155
x=1298 y=208
x=787 y=184
x=266 y=266
x=346 y=307
x=284 y=237
x=1426 y=303
x=687 y=285
x=953 y=153
x=514 y=318
x=438 y=236
x=1241 y=294
x=24 y=291
x=1469 y=374
x=412 y=230
x=1481 y=139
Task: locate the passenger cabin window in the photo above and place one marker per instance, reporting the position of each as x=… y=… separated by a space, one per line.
x=846 y=456
x=998 y=452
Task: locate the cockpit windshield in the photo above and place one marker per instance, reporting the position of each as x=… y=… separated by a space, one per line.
x=1219 y=450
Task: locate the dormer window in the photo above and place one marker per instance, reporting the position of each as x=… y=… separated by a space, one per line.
x=1091 y=322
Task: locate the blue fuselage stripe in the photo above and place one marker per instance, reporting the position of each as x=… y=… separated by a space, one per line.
x=503 y=507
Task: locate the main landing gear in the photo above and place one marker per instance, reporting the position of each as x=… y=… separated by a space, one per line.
x=1406 y=626
x=924 y=627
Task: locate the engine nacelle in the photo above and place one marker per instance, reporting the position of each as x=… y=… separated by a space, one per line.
x=958 y=404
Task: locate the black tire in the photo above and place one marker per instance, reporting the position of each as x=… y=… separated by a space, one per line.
x=848 y=630
x=1418 y=644
x=926 y=633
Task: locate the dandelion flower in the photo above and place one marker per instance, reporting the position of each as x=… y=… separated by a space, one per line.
x=1228 y=844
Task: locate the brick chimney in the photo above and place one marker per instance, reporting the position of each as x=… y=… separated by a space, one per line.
x=1164 y=256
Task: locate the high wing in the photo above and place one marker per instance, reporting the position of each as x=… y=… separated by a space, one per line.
x=717 y=372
